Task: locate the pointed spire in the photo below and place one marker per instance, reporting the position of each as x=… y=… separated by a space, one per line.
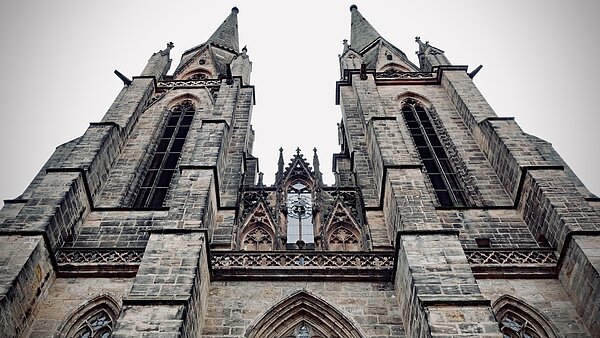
x=361 y=31
x=159 y=63
x=422 y=46
x=426 y=48
x=430 y=56
x=280 y=166
x=227 y=34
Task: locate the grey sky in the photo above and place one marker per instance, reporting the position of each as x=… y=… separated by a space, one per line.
x=539 y=57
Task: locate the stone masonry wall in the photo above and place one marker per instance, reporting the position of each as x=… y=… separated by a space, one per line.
x=547 y=296
x=57 y=208
x=580 y=274
x=66 y=295
x=357 y=145
x=232 y=167
x=437 y=290
x=166 y=298
x=234 y=306
x=504 y=227
x=552 y=206
x=25 y=274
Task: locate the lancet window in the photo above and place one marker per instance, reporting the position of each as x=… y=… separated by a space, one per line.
x=162 y=167
x=299 y=206
x=437 y=164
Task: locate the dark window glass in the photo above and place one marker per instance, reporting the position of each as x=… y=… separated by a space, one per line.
x=177 y=145
x=182 y=132
x=441 y=174
x=150 y=177
x=173 y=120
x=169 y=132
x=162 y=167
x=187 y=120
x=157 y=160
x=163 y=145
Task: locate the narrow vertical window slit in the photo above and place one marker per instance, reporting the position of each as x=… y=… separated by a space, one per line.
x=161 y=170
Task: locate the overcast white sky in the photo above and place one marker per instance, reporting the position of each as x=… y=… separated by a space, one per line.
x=540 y=65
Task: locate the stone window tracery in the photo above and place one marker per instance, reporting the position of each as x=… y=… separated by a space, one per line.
x=163 y=164
x=514 y=326
x=198 y=76
x=343 y=239
x=96 y=319
x=299 y=206
x=440 y=171
x=258 y=239
x=99 y=325
x=519 y=320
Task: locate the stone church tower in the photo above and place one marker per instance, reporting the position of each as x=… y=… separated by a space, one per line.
x=445 y=220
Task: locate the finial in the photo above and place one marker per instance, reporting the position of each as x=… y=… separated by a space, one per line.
x=170 y=45
x=281 y=150
x=235 y=10
x=260 y=180
x=315 y=150
x=298 y=151
x=417 y=39
x=353 y=7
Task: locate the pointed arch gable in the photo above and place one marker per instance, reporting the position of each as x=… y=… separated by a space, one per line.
x=341 y=231
x=340 y=213
x=298 y=170
x=511 y=312
x=258 y=222
x=303 y=307
x=192 y=61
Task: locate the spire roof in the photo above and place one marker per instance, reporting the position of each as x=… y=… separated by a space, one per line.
x=227 y=33
x=361 y=31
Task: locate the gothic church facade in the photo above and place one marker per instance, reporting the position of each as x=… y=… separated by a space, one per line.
x=445 y=220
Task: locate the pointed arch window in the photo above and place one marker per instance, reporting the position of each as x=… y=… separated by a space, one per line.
x=300 y=228
x=431 y=151
x=96 y=319
x=303 y=315
x=519 y=320
x=164 y=161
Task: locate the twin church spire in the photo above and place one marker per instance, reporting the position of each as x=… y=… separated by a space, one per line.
x=367 y=48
